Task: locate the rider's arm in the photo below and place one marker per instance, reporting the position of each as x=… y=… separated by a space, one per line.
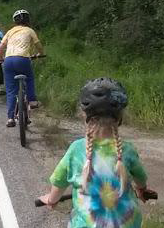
x=2 y=49
x=37 y=42
x=137 y=171
x=39 y=48
x=134 y=164
x=59 y=178
x=53 y=197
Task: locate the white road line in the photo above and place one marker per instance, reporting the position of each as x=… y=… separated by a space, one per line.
x=6 y=209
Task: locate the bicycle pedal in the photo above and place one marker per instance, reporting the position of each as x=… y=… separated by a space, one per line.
x=16 y=120
x=29 y=121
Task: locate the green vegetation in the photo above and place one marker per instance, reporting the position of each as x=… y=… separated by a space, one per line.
x=88 y=39
x=152 y=223
x=65 y=71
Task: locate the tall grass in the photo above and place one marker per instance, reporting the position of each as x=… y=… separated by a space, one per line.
x=155 y=220
x=152 y=224
x=70 y=63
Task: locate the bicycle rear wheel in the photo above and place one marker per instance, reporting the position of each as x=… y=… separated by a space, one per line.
x=22 y=113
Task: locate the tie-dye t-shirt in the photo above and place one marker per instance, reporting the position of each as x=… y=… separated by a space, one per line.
x=100 y=207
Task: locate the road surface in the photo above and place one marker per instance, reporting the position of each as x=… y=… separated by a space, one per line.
x=22 y=179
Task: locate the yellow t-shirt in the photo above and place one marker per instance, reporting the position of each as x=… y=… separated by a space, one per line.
x=19 y=41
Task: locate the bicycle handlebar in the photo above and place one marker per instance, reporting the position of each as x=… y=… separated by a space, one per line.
x=37 y=56
x=39 y=203
x=148 y=194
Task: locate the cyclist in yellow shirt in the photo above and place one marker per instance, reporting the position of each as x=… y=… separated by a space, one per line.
x=18 y=42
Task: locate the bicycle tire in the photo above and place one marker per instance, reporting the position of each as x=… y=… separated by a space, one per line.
x=22 y=114
x=25 y=114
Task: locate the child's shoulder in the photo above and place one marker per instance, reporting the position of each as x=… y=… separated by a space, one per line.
x=129 y=150
x=78 y=143
x=76 y=147
x=128 y=146
x=127 y=143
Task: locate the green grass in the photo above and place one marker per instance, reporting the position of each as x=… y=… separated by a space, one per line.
x=70 y=63
x=152 y=223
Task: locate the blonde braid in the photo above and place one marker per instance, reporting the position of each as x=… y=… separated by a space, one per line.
x=89 y=147
x=120 y=168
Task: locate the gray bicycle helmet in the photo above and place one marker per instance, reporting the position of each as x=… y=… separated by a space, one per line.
x=103 y=97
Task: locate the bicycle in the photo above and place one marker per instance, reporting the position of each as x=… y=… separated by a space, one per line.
x=22 y=108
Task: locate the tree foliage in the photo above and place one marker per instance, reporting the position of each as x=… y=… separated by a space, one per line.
x=131 y=25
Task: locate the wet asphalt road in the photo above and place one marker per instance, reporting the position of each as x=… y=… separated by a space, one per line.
x=25 y=177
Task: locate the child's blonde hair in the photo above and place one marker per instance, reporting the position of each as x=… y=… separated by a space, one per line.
x=94 y=126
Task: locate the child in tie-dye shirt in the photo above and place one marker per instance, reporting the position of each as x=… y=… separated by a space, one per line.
x=101 y=167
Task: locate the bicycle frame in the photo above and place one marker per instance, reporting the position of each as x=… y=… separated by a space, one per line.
x=25 y=101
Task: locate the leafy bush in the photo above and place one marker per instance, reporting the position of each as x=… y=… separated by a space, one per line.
x=132 y=26
x=64 y=72
x=120 y=28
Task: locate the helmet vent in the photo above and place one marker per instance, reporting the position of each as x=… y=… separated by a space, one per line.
x=98 y=94
x=85 y=103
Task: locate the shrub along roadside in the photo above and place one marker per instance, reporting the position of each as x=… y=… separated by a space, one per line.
x=70 y=63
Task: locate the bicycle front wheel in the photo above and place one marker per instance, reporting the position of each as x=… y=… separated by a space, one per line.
x=22 y=114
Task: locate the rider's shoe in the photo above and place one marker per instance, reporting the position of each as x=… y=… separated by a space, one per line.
x=34 y=104
x=28 y=121
x=10 y=123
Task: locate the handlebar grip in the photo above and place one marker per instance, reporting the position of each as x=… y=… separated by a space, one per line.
x=37 y=56
x=39 y=203
x=66 y=197
x=149 y=194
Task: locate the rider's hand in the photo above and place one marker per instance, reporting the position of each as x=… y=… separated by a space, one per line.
x=139 y=193
x=32 y=56
x=45 y=199
x=38 y=54
x=145 y=194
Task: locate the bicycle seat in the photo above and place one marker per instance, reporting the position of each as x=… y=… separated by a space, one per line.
x=20 y=76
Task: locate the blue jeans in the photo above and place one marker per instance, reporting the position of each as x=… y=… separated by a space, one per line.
x=15 y=65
